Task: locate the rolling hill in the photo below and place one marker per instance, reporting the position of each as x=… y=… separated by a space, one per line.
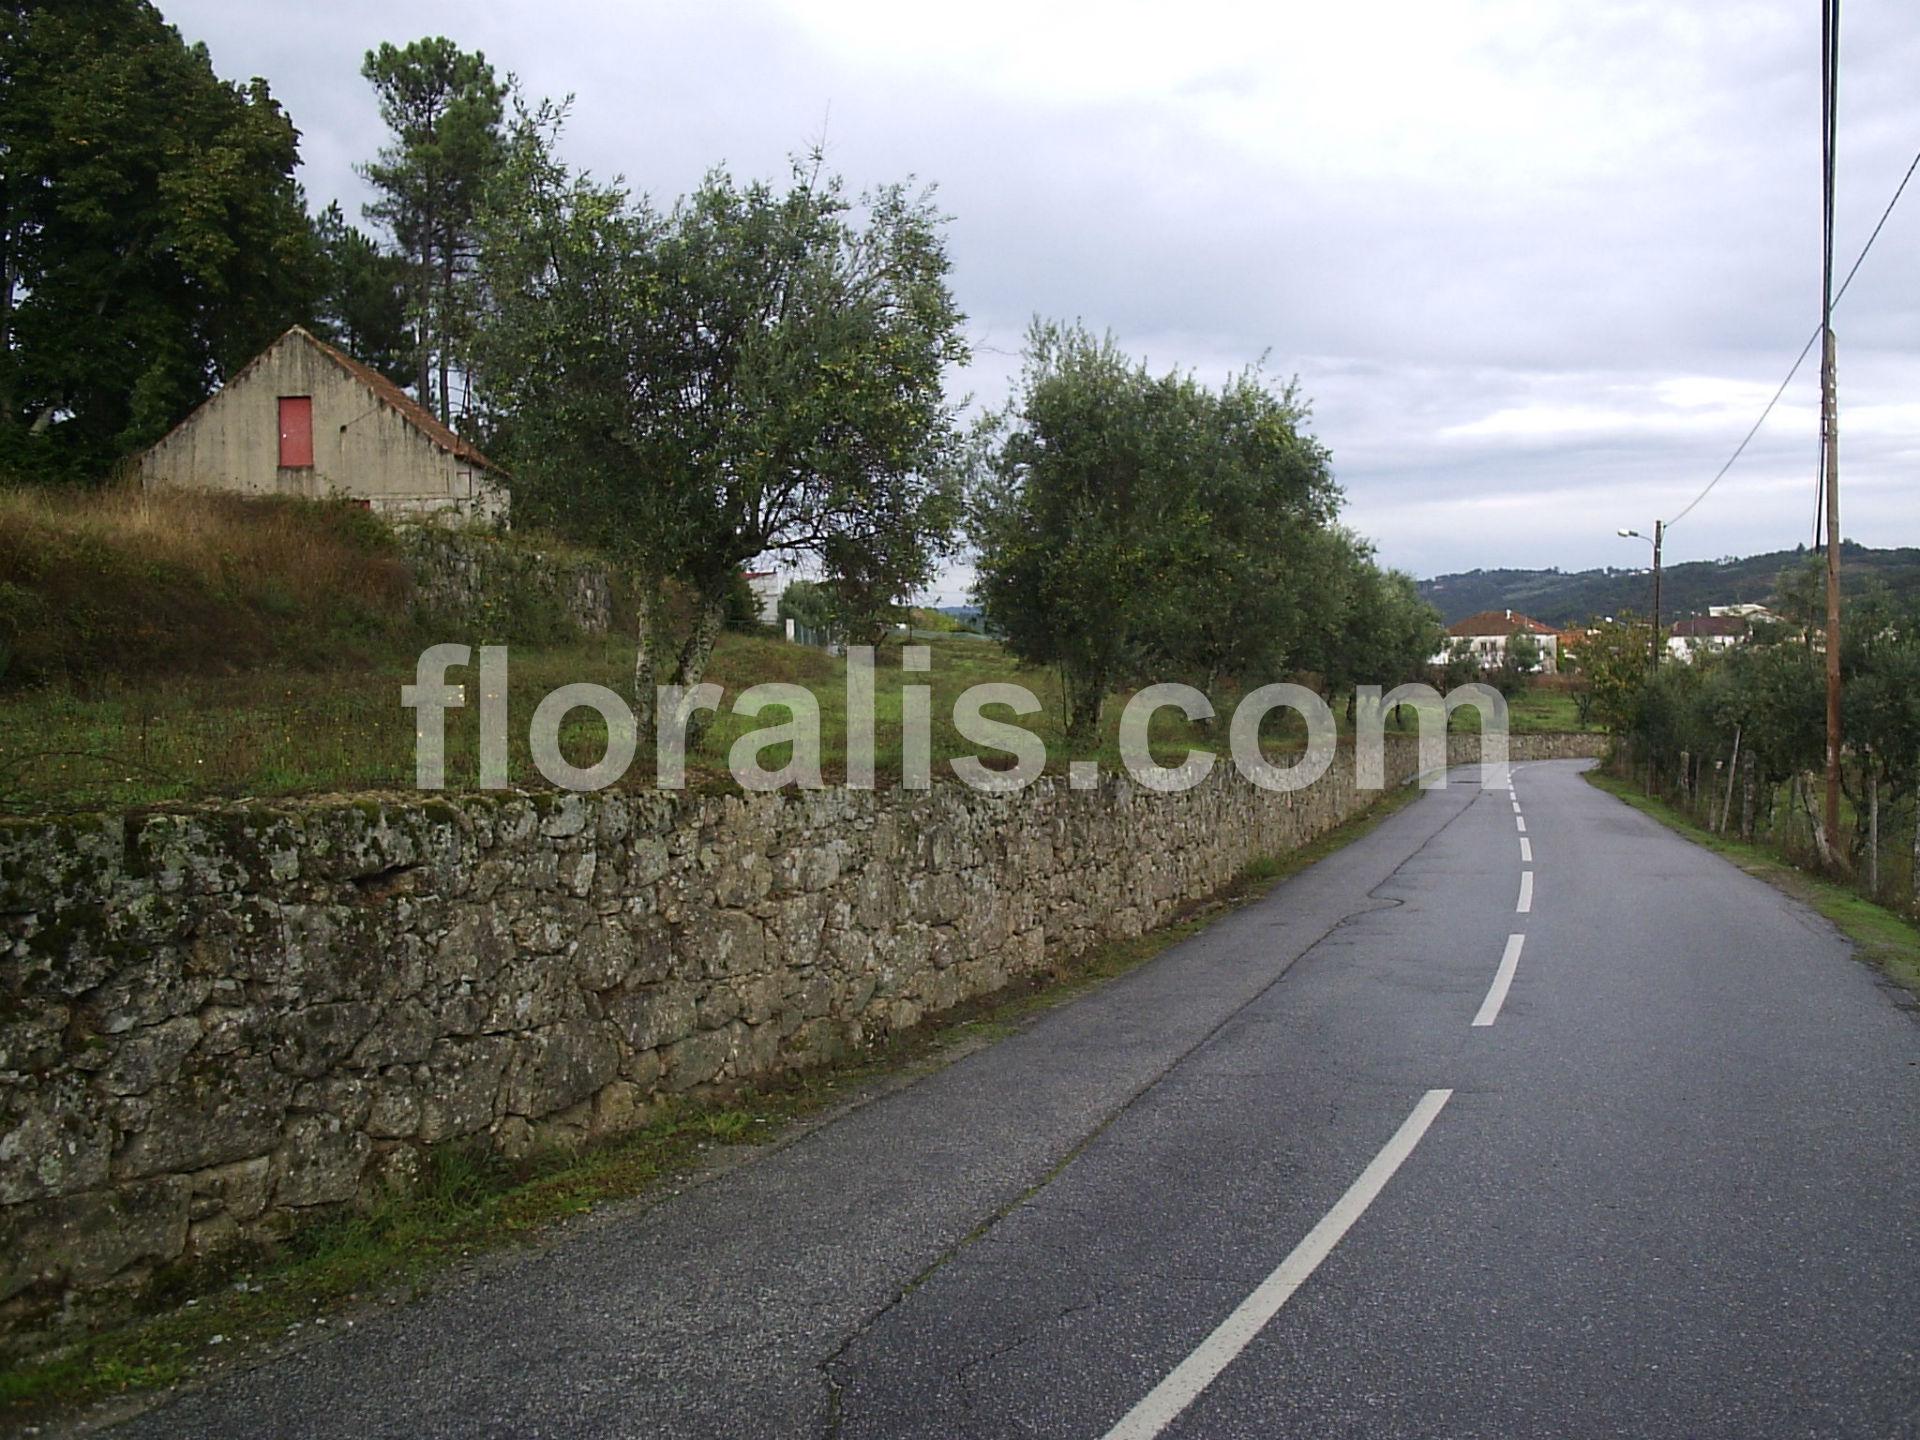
x=1561 y=597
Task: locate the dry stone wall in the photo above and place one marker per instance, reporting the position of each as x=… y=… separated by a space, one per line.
x=501 y=583
x=214 y=1020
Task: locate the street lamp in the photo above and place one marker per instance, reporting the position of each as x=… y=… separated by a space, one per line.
x=1659 y=533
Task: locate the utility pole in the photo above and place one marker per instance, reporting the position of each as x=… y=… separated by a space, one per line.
x=1829 y=406
x=1659 y=534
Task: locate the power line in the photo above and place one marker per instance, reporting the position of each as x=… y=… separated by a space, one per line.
x=1805 y=350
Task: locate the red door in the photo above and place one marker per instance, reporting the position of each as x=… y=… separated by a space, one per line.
x=296 y=431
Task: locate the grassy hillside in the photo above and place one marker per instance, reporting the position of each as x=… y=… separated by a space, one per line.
x=1562 y=597
x=123 y=583
x=173 y=648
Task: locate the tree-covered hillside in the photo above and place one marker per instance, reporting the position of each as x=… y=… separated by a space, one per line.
x=1561 y=597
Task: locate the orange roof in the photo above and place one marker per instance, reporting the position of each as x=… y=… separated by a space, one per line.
x=1500 y=622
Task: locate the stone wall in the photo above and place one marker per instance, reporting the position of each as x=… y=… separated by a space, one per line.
x=214 y=1020
x=506 y=586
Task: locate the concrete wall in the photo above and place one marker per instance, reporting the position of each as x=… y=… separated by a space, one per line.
x=216 y=1020
x=362 y=446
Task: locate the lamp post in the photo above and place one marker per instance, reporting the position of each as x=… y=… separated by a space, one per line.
x=1659 y=534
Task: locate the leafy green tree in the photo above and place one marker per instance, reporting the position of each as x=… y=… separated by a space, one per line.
x=1078 y=482
x=743 y=606
x=1523 y=651
x=1612 y=659
x=362 y=306
x=1249 y=555
x=1386 y=634
x=445 y=109
x=811 y=604
x=1403 y=633
x=1880 y=706
x=1800 y=597
x=152 y=238
x=1133 y=525
x=756 y=373
x=1519 y=659
x=1461 y=665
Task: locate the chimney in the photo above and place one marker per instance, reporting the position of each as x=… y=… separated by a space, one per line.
x=1509 y=614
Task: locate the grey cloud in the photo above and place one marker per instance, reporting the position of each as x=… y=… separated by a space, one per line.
x=1645 y=210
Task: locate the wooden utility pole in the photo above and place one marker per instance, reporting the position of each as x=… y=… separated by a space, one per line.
x=1829 y=408
x=1830 y=430
x=1659 y=534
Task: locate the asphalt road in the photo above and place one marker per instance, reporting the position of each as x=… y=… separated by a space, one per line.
x=1353 y=1162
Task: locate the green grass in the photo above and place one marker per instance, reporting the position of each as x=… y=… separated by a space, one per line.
x=1536 y=710
x=470 y=1202
x=1541 y=710
x=289 y=731
x=1883 y=937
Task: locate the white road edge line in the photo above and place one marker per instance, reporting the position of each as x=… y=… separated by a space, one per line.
x=1502 y=981
x=1164 y=1403
x=1526 y=850
x=1526 y=893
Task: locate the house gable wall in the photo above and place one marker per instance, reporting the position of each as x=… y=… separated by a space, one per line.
x=362 y=447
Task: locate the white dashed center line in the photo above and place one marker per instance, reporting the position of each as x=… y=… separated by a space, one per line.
x=1526 y=893
x=1526 y=850
x=1502 y=981
x=1172 y=1395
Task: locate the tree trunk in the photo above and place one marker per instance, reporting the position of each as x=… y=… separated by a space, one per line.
x=645 y=666
x=7 y=246
x=1733 y=769
x=695 y=654
x=1822 y=843
x=1873 y=830
x=1082 y=695
x=423 y=373
x=1746 y=801
x=445 y=328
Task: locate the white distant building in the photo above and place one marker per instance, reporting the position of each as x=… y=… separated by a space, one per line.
x=767 y=586
x=1489 y=631
x=1714 y=631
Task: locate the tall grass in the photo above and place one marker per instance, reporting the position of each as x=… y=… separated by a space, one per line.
x=127 y=582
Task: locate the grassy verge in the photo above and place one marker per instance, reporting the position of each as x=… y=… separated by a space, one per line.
x=1887 y=939
x=470 y=1203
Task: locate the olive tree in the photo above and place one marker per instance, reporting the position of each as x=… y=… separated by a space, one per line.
x=755 y=372
x=1127 y=523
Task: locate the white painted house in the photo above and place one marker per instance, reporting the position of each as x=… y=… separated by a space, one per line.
x=1487 y=634
x=302 y=418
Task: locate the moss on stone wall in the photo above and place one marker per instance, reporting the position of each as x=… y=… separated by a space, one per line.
x=214 y=1020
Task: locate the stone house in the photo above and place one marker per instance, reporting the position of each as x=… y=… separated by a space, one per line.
x=302 y=418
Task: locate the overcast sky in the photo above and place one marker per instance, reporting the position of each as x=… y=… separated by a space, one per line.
x=1538 y=263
